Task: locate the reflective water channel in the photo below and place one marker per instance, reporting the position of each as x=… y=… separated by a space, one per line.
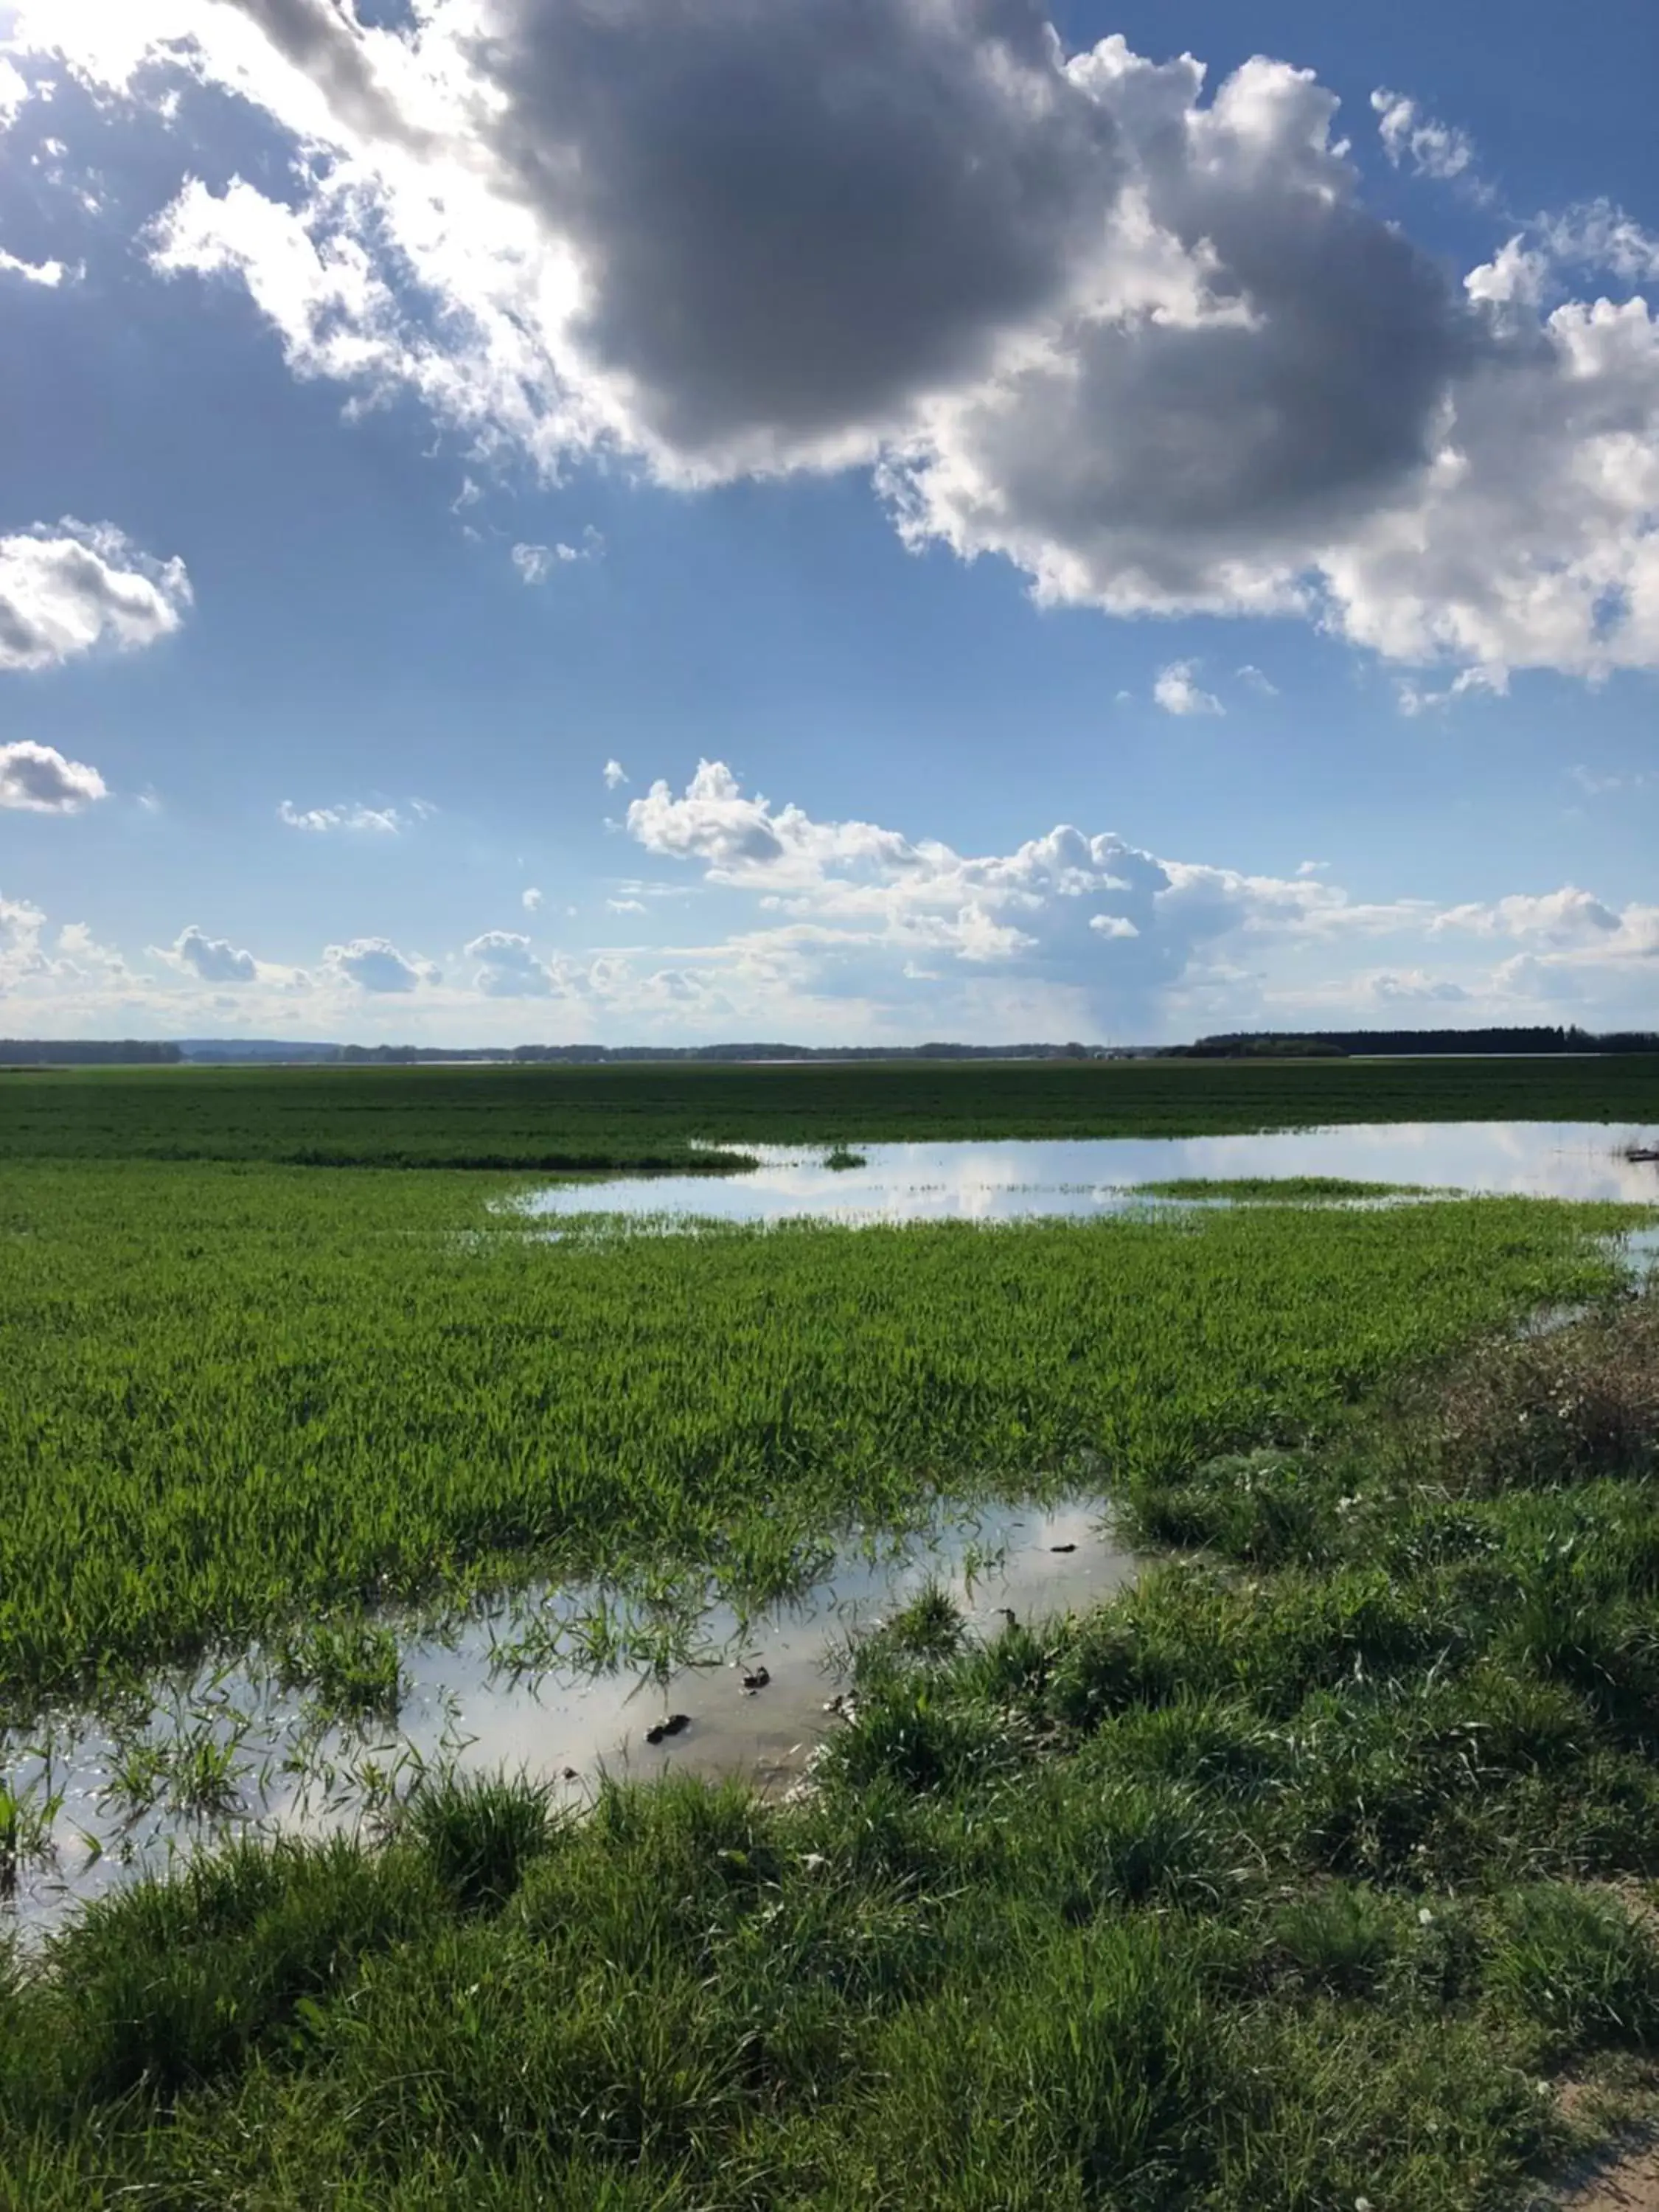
x=1011 y=1180
x=227 y=1750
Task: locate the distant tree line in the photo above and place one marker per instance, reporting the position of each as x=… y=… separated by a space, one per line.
x=602 y=1054
x=1360 y=1044
x=60 y=1051
x=1238 y=1044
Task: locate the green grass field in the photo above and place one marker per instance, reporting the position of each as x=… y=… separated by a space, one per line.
x=232 y=1394
x=1304 y=1874
x=1303 y=1878
x=647 y=1116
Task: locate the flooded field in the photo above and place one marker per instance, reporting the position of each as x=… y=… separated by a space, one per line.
x=322 y=1457
x=1013 y=1179
x=228 y=1752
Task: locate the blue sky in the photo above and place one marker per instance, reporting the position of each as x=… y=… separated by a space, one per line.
x=865 y=520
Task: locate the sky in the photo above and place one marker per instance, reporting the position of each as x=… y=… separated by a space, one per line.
x=835 y=521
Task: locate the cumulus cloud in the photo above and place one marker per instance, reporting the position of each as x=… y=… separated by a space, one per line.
x=509 y=969
x=1413 y=139
x=1177 y=691
x=378 y=821
x=210 y=959
x=531 y=899
x=850 y=901
x=68 y=587
x=75 y=971
x=1564 y=916
x=38 y=780
x=1138 y=334
x=374 y=965
x=615 y=775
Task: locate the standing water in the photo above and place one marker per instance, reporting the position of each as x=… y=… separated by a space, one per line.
x=1010 y=1180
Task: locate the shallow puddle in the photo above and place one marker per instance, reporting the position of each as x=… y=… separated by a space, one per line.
x=467 y=1706
x=1013 y=1179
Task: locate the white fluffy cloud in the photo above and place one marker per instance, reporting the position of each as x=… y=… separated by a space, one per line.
x=372 y=964
x=66 y=587
x=74 y=974
x=210 y=959
x=615 y=775
x=1140 y=334
x=507 y=968
x=1565 y=917
x=1112 y=923
x=38 y=780
x=1178 y=691
x=530 y=900
x=1108 y=939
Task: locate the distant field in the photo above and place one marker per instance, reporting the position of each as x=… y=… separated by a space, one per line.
x=646 y=1116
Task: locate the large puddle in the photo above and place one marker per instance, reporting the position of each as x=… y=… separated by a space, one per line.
x=1012 y=1180
x=488 y=1695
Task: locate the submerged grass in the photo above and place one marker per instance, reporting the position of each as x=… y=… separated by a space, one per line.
x=236 y=1396
x=1297 y=1876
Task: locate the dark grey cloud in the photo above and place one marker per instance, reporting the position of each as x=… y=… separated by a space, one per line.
x=795 y=217
x=1137 y=332
x=1289 y=368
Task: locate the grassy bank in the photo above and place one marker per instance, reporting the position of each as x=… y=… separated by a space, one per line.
x=646 y=1116
x=1305 y=1877
x=232 y=1394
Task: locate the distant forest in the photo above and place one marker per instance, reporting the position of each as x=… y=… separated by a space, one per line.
x=1242 y=1044
x=61 y=1052
x=1362 y=1044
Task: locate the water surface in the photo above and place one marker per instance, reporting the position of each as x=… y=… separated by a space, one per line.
x=466 y=1705
x=1013 y=1179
